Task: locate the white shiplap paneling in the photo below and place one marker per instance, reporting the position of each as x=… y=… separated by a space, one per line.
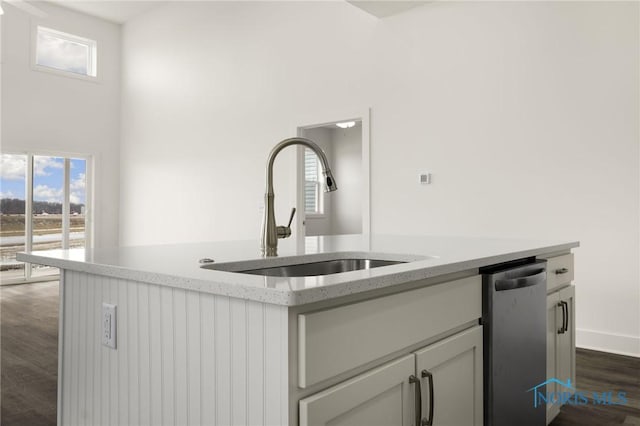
x=182 y=357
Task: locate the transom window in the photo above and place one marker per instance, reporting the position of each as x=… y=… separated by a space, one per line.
x=66 y=52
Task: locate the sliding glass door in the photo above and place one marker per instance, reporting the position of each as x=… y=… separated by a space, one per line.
x=44 y=207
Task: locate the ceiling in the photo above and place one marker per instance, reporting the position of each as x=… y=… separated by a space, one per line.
x=117 y=11
x=121 y=11
x=382 y=9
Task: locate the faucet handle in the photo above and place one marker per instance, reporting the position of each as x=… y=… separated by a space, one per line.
x=293 y=213
x=285 y=231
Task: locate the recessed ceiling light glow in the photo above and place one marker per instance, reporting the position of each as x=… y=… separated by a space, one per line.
x=346 y=124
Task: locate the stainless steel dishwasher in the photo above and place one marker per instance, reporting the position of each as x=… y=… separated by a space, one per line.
x=515 y=347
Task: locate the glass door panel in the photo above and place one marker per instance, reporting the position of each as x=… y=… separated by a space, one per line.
x=13 y=184
x=48 y=196
x=77 y=203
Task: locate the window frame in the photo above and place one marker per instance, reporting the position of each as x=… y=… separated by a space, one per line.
x=75 y=38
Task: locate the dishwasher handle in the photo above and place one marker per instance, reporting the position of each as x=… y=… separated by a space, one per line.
x=537 y=277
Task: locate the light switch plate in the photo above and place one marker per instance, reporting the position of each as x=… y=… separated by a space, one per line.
x=109 y=322
x=425 y=178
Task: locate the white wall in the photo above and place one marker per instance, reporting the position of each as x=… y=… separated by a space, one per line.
x=346 y=206
x=205 y=100
x=50 y=113
x=525 y=113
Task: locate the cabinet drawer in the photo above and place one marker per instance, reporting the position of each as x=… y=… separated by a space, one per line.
x=333 y=341
x=559 y=271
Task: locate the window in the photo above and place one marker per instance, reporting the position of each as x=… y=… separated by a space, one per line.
x=312 y=190
x=43 y=206
x=66 y=52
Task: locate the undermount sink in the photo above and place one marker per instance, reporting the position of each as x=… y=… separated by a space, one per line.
x=313 y=265
x=321 y=268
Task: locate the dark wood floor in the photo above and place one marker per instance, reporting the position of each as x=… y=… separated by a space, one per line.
x=29 y=356
x=600 y=372
x=29 y=362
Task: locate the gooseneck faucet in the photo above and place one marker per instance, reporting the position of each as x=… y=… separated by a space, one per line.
x=270 y=232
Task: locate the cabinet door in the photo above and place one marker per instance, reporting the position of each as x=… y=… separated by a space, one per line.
x=554 y=322
x=455 y=365
x=382 y=396
x=566 y=350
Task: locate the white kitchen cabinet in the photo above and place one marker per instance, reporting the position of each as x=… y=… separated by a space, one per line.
x=453 y=370
x=566 y=343
x=561 y=331
x=381 y=326
x=560 y=271
x=378 y=397
x=553 y=325
x=449 y=373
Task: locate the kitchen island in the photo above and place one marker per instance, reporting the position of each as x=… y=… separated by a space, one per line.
x=207 y=345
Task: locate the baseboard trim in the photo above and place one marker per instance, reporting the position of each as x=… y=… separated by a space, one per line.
x=608 y=342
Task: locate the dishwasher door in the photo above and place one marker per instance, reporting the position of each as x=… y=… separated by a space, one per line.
x=515 y=345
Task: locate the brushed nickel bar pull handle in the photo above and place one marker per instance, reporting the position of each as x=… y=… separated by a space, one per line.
x=429 y=420
x=566 y=313
x=418 y=401
x=561 y=271
x=561 y=330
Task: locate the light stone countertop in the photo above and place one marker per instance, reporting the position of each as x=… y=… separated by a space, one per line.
x=177 y=265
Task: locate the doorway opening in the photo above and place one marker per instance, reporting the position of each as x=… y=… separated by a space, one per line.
x=345 y=142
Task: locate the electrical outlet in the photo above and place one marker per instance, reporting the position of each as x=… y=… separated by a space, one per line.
x=109 y=325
